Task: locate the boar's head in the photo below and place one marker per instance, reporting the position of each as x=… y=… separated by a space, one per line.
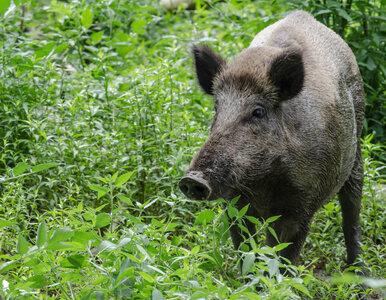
x=246 y=149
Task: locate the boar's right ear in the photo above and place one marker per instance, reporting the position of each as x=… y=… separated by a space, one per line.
x=287 y=73
x=207 y=64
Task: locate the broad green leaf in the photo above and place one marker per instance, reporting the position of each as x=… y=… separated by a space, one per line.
x=146 y=276
x=87 y=17
x=100 y=189
x=37 y=281
x=102 y=220
x=123 y=179
x=45 y=50
x=195 y=250
x=248 y=262
x=330 y=207
x=106 y=245
x=20 y=168
x=232 y=212
x=156 y=295
x=301 y=287
x=9 y=265
x=6 y=223
x=42 y=234
x=44 y=166
x=77 y=260
x=273 y=267
x=125 y=200
x=253 y=220
x=251 y=296
x=61 y=234
x=114 y=177
x=272 y=219
x=62 y=47
x=88 y=216
x=204 y=217
x=96 y=37
x=137 y=25
x=22 y=245
x=344 y=14
x=243 y=211
x=282 y=246
x=4 y=5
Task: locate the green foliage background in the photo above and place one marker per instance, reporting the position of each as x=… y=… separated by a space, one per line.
x=99 y=116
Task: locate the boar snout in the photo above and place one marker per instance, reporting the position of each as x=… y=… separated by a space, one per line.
x=194 y=186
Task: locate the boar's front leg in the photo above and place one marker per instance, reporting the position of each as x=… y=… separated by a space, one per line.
x=290 y=231
x=237 y=233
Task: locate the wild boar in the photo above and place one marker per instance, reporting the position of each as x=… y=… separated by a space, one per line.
x=286 y=133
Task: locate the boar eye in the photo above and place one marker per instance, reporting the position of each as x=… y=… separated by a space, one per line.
x=259 y=113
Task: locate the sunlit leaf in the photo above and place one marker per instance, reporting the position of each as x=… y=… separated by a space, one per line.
x=87 y=17
x=22 y=245
x=102 y=220
x=42 y=234
x=20 y=168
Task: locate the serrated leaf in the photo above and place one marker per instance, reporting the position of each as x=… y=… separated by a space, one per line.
x=42 y=234
x=102 y=220
x=204 y=217
x=146 y=276
x=44 y=166
x=137 y=25
x=156 y=295
x=123 y=179
x=22 y=245
x=20 y=168
x=86 y=19
x=247 y=263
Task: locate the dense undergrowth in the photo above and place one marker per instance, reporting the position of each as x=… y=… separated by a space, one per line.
x=100 y=115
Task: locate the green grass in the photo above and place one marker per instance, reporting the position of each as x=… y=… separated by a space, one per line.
x=100 y=115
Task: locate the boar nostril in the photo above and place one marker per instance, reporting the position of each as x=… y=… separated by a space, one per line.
x=195 y=187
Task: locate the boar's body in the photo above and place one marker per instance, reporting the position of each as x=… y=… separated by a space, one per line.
x=286 y=134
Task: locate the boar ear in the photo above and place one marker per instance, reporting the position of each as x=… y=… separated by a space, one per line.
x=287 y=73
x=207 y=64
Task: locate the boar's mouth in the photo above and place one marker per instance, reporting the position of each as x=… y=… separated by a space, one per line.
x=196 y=186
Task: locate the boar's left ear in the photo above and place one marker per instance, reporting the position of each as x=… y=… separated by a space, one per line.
x=287 y=73
x=207 y=64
